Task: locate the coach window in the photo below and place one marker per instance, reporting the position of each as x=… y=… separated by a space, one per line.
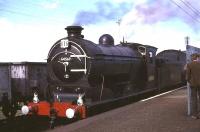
x=142 y=50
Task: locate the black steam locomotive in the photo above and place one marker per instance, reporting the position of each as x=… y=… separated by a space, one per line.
x=82 y=73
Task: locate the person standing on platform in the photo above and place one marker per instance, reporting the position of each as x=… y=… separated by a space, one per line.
x=193 y=78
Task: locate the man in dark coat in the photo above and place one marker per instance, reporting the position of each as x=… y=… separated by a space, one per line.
x=193 y=78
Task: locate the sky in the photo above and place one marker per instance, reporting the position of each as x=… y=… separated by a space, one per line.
x=28 y=28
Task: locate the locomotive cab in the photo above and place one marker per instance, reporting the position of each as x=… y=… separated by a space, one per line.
x=145 y=75
x=151 y=67
x=149 y=76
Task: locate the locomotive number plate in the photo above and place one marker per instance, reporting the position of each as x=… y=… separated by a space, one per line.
x=64 y=43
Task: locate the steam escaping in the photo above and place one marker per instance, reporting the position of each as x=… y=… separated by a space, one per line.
x=105 y=11
x=155 y=11
x=152 y=12
x=148 y=12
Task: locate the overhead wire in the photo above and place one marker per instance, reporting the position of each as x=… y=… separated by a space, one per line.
x=30 y=15
x=184 y=10
x=193 y=7
x=186 y=3
x=26 y=11
x=19 y=7
x=16 y=12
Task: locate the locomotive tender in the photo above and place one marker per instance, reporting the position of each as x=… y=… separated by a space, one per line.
x=82 y=73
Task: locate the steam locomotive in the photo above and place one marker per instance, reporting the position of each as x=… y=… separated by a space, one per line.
x=82 y=73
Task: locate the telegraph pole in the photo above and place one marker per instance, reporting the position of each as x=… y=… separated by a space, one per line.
x=189 y=103
x=119 y=23
x=187 y=40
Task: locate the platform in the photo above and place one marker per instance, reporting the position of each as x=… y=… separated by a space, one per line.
x=165 y=113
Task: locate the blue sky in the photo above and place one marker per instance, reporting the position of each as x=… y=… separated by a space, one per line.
x=28 y=28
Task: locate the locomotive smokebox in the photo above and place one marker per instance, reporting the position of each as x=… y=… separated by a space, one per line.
x=74 y=31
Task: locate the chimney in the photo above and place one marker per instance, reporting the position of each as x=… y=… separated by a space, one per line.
x=74 y=31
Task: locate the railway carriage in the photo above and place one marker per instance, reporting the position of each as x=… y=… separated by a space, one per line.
x=18 y=81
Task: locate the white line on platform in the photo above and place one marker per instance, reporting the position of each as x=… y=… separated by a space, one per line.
x=161 y=94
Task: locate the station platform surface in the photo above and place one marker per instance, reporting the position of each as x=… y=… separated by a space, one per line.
x=165 y=113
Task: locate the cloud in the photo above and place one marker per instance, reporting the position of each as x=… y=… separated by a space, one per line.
x=27 y=42
x=141 y=11
x=159 y=36
x=158 y=23
x=51 y=4
x=105 y=11
x=152 y=12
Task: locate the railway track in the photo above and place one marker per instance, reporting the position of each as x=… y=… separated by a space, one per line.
x=21 y=123
x=2 y=117
x=1 y=114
